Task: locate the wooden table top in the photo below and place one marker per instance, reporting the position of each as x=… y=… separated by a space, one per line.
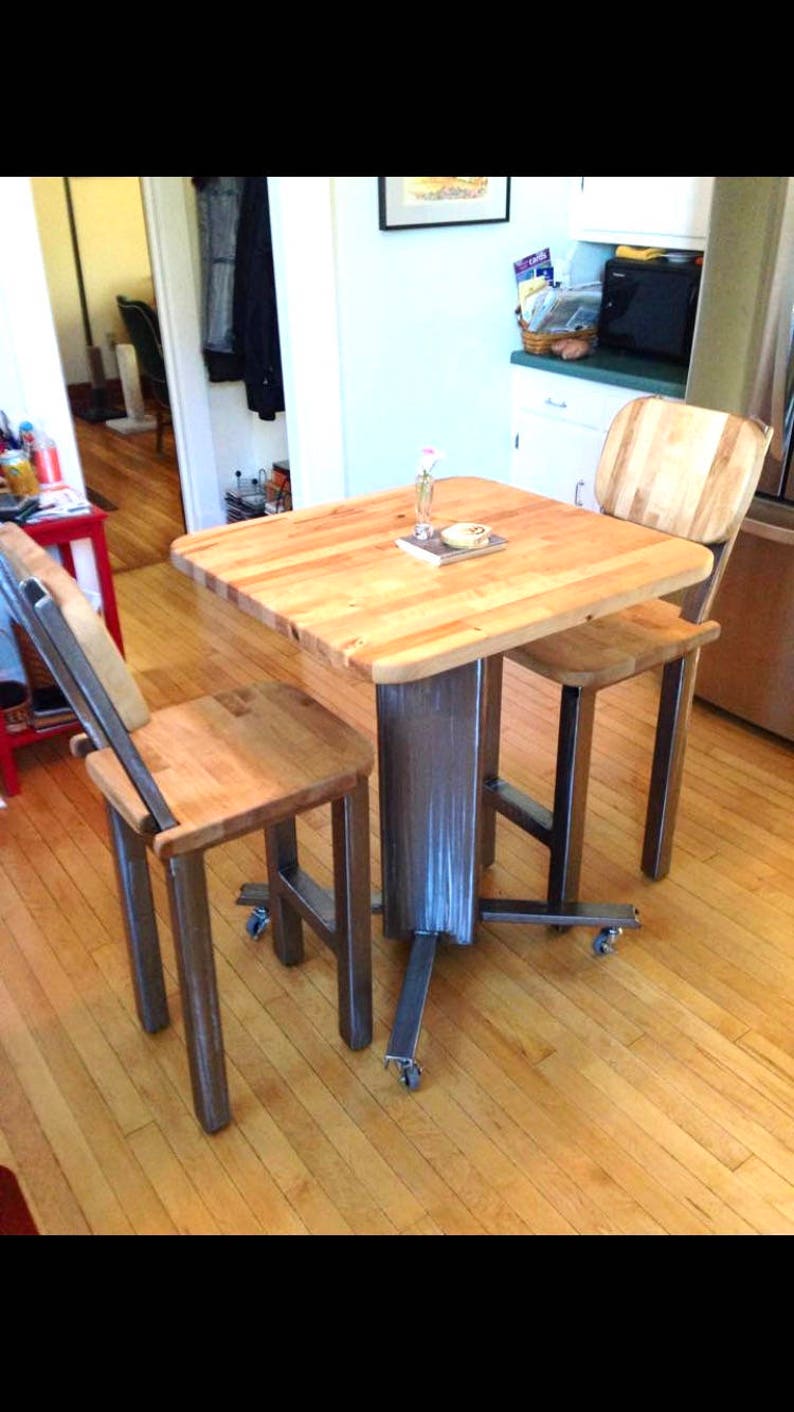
x=332 y=578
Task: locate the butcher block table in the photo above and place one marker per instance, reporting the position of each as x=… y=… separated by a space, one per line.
x=332 y=579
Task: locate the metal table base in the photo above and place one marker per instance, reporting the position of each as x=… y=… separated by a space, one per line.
x=432 y=746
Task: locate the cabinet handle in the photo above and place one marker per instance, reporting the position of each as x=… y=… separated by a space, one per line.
x=515 y=443
x=551 y=403
x=577 y=495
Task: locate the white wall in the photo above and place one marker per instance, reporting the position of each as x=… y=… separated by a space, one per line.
x=243 y=442
x=31 y=381
x=427 y=326
x=302 y=229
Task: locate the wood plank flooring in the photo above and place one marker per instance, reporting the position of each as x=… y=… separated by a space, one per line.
x=644 y=1093
x=143 y=485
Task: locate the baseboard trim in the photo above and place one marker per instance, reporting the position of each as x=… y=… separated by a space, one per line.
x=79 y=393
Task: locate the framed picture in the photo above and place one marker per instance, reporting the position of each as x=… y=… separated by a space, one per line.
x=407 y=202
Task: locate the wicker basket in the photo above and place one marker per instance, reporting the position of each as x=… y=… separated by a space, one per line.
x=47 y=705
x=37 y=672
x=541 y=342
x=15 y=705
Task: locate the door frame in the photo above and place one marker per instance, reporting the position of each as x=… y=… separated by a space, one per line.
x=170 y=235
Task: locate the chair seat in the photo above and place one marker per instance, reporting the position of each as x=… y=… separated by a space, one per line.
x=230 y=763
x=617 y=647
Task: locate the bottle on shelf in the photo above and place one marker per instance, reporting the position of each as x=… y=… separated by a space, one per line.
x=27 y=436
x=46 y=462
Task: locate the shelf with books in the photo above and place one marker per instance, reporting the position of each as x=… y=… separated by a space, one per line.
x=48 y=715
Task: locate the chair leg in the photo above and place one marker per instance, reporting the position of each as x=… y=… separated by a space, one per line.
x=190 y=921
x=140 y=923
x=574 y=743
x=281 y=849
x=675 y=705
x=353 y=913
x=494 y=672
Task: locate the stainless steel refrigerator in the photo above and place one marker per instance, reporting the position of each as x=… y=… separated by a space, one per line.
x=743 y=361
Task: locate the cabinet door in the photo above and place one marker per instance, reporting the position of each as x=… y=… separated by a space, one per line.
x=557 y=459
x=672 y=212
x=559 y=427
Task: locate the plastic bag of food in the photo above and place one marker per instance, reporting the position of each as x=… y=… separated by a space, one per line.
x=567 y=310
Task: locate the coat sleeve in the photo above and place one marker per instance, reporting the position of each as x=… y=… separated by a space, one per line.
x=255 y=320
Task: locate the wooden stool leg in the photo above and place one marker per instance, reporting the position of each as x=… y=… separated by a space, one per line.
x=574 y=743
x=667 y=770
x=494 y=671
x=353 y=915
x=281 y=848
x=190 y=921
x=140 y=923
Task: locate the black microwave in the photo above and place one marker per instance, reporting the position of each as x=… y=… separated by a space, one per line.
x=649 y=307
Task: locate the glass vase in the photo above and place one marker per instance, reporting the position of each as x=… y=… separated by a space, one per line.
x=423 y=528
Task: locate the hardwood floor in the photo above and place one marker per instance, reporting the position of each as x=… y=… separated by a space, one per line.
x=143 y=485
x=646 y=1092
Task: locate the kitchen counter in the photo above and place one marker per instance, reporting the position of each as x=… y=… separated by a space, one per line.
x=651 y=375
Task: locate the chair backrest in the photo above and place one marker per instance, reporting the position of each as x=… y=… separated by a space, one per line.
x=684 y=470
x=143 y=327
x=82 y=657
x=24 y=559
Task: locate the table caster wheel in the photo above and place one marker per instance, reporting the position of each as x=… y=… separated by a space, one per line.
x=257 y=922
x=410 y=1074
x=604 y=944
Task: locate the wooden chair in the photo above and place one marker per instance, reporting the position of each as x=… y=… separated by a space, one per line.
x=143 y=327
x=194 y=775
x=686 y=471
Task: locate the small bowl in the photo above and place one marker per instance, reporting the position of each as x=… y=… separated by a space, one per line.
x=466 y=536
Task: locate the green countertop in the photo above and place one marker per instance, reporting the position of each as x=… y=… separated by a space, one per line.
x=651 y=375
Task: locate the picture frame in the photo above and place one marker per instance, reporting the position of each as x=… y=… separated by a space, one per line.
x=416 y=203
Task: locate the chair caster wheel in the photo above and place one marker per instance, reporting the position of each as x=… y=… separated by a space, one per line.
x=604 y=944
x=257 y=922
x=408 y=1071
x=410 y=1074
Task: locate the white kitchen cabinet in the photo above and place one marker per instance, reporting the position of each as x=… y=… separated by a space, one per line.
x=559 y=426
x=665 y=211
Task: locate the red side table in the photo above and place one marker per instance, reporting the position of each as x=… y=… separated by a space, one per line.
x=64 y=533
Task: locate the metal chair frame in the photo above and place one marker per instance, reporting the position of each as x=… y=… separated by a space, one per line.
x=561 y=828
x=341 y=919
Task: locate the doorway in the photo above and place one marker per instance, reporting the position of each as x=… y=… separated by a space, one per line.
x=125 y=473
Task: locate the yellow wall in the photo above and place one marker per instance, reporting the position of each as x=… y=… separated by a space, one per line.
x=114 y=257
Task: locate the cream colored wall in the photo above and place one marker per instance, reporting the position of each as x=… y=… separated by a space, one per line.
x=114 y=256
